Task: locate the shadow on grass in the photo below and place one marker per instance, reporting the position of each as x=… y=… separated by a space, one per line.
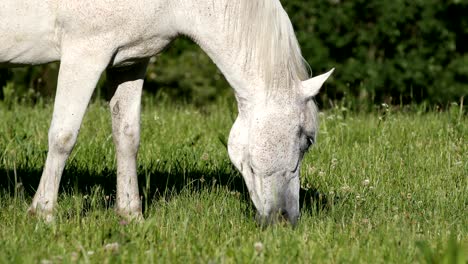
x=154 y=183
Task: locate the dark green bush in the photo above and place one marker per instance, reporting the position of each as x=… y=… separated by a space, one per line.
x=185 y=72
x=394 y=51
x=384 y=51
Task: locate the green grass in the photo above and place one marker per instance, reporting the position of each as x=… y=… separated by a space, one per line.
x=382 y=187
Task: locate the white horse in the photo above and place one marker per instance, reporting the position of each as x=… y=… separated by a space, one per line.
x=251 y=41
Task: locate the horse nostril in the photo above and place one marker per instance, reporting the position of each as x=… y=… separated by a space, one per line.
x=279 y=216
x=284 y=215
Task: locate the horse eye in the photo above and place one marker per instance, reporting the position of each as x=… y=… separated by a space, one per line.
x=308 y=142
x=310 y=139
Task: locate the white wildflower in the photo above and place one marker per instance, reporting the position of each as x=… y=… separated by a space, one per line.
x=258 y=247
x=112 y=247
x=365 y=182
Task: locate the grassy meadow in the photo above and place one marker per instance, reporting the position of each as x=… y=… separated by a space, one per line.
x=389 y=186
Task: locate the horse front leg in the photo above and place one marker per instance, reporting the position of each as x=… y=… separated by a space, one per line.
x=125 y=108
x=80 y=69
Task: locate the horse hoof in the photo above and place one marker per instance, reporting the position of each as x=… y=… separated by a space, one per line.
x=45 y=216
x=131 y=216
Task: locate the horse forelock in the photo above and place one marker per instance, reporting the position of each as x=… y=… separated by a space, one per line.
x=263 y=29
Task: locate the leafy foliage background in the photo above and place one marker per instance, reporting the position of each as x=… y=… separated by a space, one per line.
x=399 y=52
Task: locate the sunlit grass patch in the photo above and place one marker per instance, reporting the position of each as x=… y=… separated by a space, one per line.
x=386 y=186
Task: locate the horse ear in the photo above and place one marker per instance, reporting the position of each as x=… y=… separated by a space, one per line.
x=312 y=86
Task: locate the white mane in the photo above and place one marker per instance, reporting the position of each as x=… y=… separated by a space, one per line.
x=264 y=31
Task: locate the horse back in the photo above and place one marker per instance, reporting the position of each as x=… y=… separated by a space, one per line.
x=35 y=31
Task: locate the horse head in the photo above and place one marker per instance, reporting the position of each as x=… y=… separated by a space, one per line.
x=267 y=145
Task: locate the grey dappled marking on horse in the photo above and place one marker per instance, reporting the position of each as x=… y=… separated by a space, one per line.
x=252 y=42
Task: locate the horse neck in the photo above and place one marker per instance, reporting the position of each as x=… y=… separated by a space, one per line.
x=205 y=23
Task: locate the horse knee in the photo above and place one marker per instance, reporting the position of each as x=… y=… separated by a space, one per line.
x=127 y=138
x=62 y=141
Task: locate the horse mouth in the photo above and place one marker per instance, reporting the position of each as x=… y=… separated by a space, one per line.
x=277 y=217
